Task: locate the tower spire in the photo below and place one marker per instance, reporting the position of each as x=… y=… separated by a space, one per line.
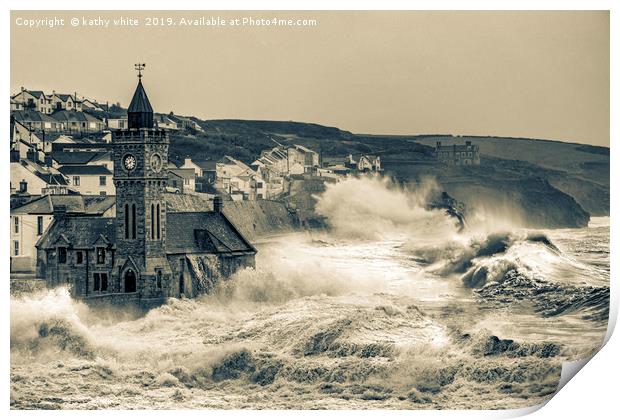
x=140 y=112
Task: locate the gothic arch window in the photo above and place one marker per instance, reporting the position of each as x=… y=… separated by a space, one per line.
x=158 y=222
x=133 y=221
x=152 y=221
x=126 y=221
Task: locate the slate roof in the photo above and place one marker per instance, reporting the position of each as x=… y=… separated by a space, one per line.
x=207 y=165
x=80 y=231
x=187 y=202
x=93 y=205
x=64 y=96
x=140 y=102
x=71 y=115
x=77 y=158
x=196 y=232
x=186 y=173
x=31 y=115
x=84 y=170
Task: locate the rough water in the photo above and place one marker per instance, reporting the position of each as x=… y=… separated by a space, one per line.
x=390 y=308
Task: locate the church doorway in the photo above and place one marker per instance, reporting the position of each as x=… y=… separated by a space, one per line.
x=130 y=281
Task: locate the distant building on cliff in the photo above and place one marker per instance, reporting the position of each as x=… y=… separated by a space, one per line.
x=144 y=253
x=458 y=154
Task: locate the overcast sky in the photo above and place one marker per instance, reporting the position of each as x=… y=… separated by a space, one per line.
x=521 y=74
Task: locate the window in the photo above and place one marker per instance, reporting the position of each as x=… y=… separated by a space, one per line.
x=259 y=185
x=152 y=221
x=186 y=181
x=158 y=222
x=16 y=248
x=159 y=276
x=174 y=183
x=133 y=221
x=104 y=282
x=39 y=225
x=103 y=193
x=469 y=154
x=62 y=255
x=97 y=282
x=16 y=224
x=79 y=257
x=76 y=181
x=126 y=221
x=100 y=255
x=102 y=181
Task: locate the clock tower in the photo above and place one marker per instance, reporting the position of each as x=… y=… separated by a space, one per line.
x=140 y=176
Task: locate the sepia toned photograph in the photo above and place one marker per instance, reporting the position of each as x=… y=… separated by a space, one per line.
x=294 y=210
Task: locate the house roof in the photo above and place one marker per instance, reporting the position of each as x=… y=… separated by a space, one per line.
x=140 y=102
x=84 y=170
x=78 y=158
x=187 y=173
x=64 y=96
x=204 y=232
x=70 y=115
x=207 y=165
x=93 y=205
x=79 y=231
x=36 y=93
x=31 y=115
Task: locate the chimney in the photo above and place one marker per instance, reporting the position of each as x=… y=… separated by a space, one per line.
x=60 y=211
x=218 y=204
x=187 y=161
x=23 y=186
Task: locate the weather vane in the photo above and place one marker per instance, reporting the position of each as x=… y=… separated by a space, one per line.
x=139 y=67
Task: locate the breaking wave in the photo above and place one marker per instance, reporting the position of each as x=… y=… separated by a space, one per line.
x=376 y=207
x=393 y=309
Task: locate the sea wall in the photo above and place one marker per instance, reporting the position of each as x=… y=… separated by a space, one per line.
x=260 y=218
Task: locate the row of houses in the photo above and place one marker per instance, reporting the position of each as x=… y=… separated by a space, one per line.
x=37 y=100
x=68 y=113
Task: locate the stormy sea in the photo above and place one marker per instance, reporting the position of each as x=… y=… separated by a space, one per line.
x=395 y=306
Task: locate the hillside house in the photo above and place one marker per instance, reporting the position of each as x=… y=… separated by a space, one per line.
x=117 y=123
x=32 y=178
x=78 y=122
x=64 y=102
x=182 y=180
x=32 y=100
x=164 y=122
x=458 y=154
x=185 y=123
x=37 y=121
x=89 y=179
x=302 y=156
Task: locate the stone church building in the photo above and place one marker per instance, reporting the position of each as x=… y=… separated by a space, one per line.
x=145 y=253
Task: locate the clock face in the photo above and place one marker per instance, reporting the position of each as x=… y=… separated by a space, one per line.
x=156 y=163
x=129 y=162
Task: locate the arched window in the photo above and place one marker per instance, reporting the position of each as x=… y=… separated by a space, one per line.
x=158 y=222
x=133 y=221
x=126 y=221
x=152 y=221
